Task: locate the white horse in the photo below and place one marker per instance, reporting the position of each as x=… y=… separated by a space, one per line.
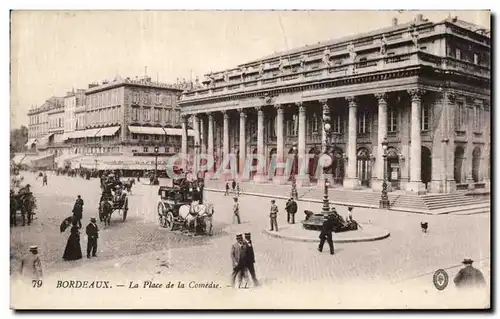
x=196 y=212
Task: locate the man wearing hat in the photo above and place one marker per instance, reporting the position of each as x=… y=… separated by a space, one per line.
x=31 y=266
x=236 y=210
x=291 y=209
x=92 y=234
x=239 y=252
x=250 y=264
x=469 y=277
x=273 y=215
x=326 y=234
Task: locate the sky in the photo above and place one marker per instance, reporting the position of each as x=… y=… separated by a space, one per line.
x=53 y=52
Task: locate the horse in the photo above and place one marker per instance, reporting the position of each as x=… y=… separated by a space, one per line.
x=197 y=217
x=128 y=185
x=26 y=203
x=105 y=211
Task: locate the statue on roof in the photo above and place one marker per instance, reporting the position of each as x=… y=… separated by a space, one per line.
x=352 y=51
x=281 y=65
x=226 y=77
x=326 y=56
x=261 y=69
x=303 y=59
x=414 y=37
x=243 y=71
x=383 y=45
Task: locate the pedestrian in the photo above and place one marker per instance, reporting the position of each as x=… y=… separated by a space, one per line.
x=78 y=211
x=236 y=210
x=92 y=234
x=233 y=185
x=44 y=179
x=349 y=213
x=238 y=259
x=227 y=189
x=326 y=234
x=291 y=209
x=238 y=189
x=73 y=250
x=250 y=265
x=469 y=277
x=31 y=266
x=273 y=216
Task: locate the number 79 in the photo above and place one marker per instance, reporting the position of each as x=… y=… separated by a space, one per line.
x=37 y=283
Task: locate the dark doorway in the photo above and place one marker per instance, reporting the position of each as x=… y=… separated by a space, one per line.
x=295 y=165
x=313 y=163
x=393 y=169
x=476 y=160
x=272 y=153
x=364 y=167
x=425 y=165
x=458 y=161
x=337 y=168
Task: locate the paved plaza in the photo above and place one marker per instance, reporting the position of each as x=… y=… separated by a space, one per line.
x=138 y=247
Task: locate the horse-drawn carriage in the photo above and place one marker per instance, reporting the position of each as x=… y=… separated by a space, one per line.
x=181 y=207
x=113 y=198
x=22 y=202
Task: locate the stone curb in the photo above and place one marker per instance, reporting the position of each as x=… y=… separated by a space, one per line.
x=335 y=240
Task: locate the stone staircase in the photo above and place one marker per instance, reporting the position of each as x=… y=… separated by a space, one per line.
x=399 y=201
x=441 y=203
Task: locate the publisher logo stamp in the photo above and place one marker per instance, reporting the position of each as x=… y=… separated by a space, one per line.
x=440 y=279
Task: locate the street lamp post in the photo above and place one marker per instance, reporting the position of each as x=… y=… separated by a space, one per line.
x=195 y=162
x=327 y=127
x=294 y=193
x=384 y=199
x=155 y=180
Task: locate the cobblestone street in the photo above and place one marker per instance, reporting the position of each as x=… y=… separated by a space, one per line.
x=138 y=247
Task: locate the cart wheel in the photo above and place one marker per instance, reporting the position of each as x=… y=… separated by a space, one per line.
x=161 y=215
x=169 y=221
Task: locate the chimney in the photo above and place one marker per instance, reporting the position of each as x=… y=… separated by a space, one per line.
x=394 y=22
x=420 y=17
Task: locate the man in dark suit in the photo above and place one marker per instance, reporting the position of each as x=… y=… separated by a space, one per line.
x=78 y=211
x=250 y=264
x=469 y=277
x=92 y=234
x=326 y=234
x=291 y=209
x=238 y=257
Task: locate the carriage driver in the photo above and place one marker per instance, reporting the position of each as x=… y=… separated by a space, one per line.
x=118 y=193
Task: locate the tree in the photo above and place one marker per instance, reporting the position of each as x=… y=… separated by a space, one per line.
x=18 y=139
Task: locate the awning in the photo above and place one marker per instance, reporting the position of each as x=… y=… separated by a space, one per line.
x=77 y=134
x=120 y=162
x=92 y=132
x=108 y=131
x=146 y=130
x=157 y=130
x=30 y=142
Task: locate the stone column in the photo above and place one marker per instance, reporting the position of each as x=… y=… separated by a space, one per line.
x=243 y=140
x=302 y=177
x=381 y=133
x=184 y=138
x=469 y=148
x=203 y=137
x=196 y=129
x=280 y=143
x=351 y=180
x=210 y=139
x=260 y=175
x=415 y=185
x=225 y=138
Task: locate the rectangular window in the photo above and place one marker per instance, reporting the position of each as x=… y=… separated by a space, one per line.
x=168 y=100
x=167 y=116
x=478 y=115
x=146 y=137
x=363 y=124
x=460 y=116
x=425 y=118
x=135 y=114
x=157 y=137
x=134 y=136
x=458 y=54
x=476 y=58
x=145 y=150
x=157 y=115
x=336 y=124
x=392 y=121
x=158 y=98
x=147 y=114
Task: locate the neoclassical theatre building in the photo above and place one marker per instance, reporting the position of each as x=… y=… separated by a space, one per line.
x=424 y=86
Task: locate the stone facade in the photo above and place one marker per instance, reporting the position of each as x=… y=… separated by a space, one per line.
x=424 y=86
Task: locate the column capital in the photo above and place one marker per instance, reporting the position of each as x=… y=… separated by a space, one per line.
x=258 y=108
x=242 y=112
x=352 y=100
x=184 y=117
x=226 y=115
x=381 y=97
x=279 y=108
x=301 y=106
x=416 y=94
x=323 y=102
x=210 y=115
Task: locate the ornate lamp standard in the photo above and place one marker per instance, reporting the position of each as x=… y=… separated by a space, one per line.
x=196 y=159
x=384 y=199
x=294 y=193
x=155 y=180
x=327 y=161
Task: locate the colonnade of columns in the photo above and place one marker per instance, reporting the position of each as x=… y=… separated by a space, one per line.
x=351 y=180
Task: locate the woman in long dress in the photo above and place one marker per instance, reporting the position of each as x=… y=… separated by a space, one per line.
x=73 y=249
